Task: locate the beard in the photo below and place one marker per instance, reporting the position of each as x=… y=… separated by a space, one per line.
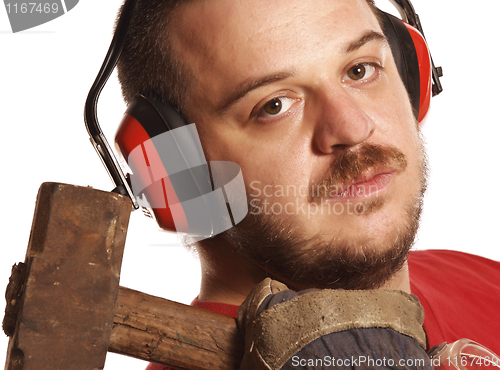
x=274 y=244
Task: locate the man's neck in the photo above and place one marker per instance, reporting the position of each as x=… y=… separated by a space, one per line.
x=399 y=281
x=228 y=277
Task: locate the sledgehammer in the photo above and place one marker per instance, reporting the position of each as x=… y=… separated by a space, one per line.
x=65 y=308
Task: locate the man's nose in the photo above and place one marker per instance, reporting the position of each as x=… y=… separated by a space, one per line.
x=341 y=121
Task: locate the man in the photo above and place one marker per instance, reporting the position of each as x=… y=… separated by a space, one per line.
x=306 y=98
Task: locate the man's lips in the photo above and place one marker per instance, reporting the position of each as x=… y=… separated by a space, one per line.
x=368 y=184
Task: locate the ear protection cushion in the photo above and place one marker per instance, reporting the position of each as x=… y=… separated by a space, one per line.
x=144 y=121
x=412 y=59
x=131 y=134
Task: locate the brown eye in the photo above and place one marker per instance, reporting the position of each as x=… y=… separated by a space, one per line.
x=276 y=107
x=273 y=107
x=362 y=72
x=357 y=72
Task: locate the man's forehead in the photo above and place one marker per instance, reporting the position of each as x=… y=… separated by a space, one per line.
x=239 y=38
x=210 y=23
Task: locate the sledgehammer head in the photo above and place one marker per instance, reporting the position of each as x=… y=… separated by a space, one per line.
x=67 y=293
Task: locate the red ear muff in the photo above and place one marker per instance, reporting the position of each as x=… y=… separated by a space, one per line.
x=170 y=175
x=131 y=136
x=413 y=61
x=425 y=71
x=166 y=169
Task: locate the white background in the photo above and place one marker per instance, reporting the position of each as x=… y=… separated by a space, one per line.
x=45 y=74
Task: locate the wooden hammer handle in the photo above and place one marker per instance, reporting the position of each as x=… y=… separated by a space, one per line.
x=170 y=333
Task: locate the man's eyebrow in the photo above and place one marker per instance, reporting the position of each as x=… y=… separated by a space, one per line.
x=246 y=86
x=366 y=38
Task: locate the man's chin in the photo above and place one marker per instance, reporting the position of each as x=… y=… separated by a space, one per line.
x=346 y=258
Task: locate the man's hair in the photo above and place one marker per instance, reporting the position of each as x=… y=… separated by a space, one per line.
x=148 y=64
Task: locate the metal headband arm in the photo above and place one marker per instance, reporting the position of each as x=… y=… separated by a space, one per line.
x=97 y=138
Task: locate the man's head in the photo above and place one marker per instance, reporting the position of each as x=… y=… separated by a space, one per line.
x=306 y=98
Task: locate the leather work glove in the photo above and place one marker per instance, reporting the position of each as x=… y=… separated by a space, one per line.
x=325 y=329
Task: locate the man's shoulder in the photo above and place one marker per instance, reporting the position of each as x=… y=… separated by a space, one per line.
x=446 y=256
x=447 y=266
x=446 y=272
x=460 y=293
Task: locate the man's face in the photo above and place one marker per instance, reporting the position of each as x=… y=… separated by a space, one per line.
x=306 y=98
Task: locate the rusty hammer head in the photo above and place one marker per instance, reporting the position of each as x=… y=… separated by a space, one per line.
x=61 y=304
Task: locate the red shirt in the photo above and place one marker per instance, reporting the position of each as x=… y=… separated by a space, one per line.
x=460 y=294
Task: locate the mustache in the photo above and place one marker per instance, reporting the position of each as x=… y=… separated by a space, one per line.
x=350 y=165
